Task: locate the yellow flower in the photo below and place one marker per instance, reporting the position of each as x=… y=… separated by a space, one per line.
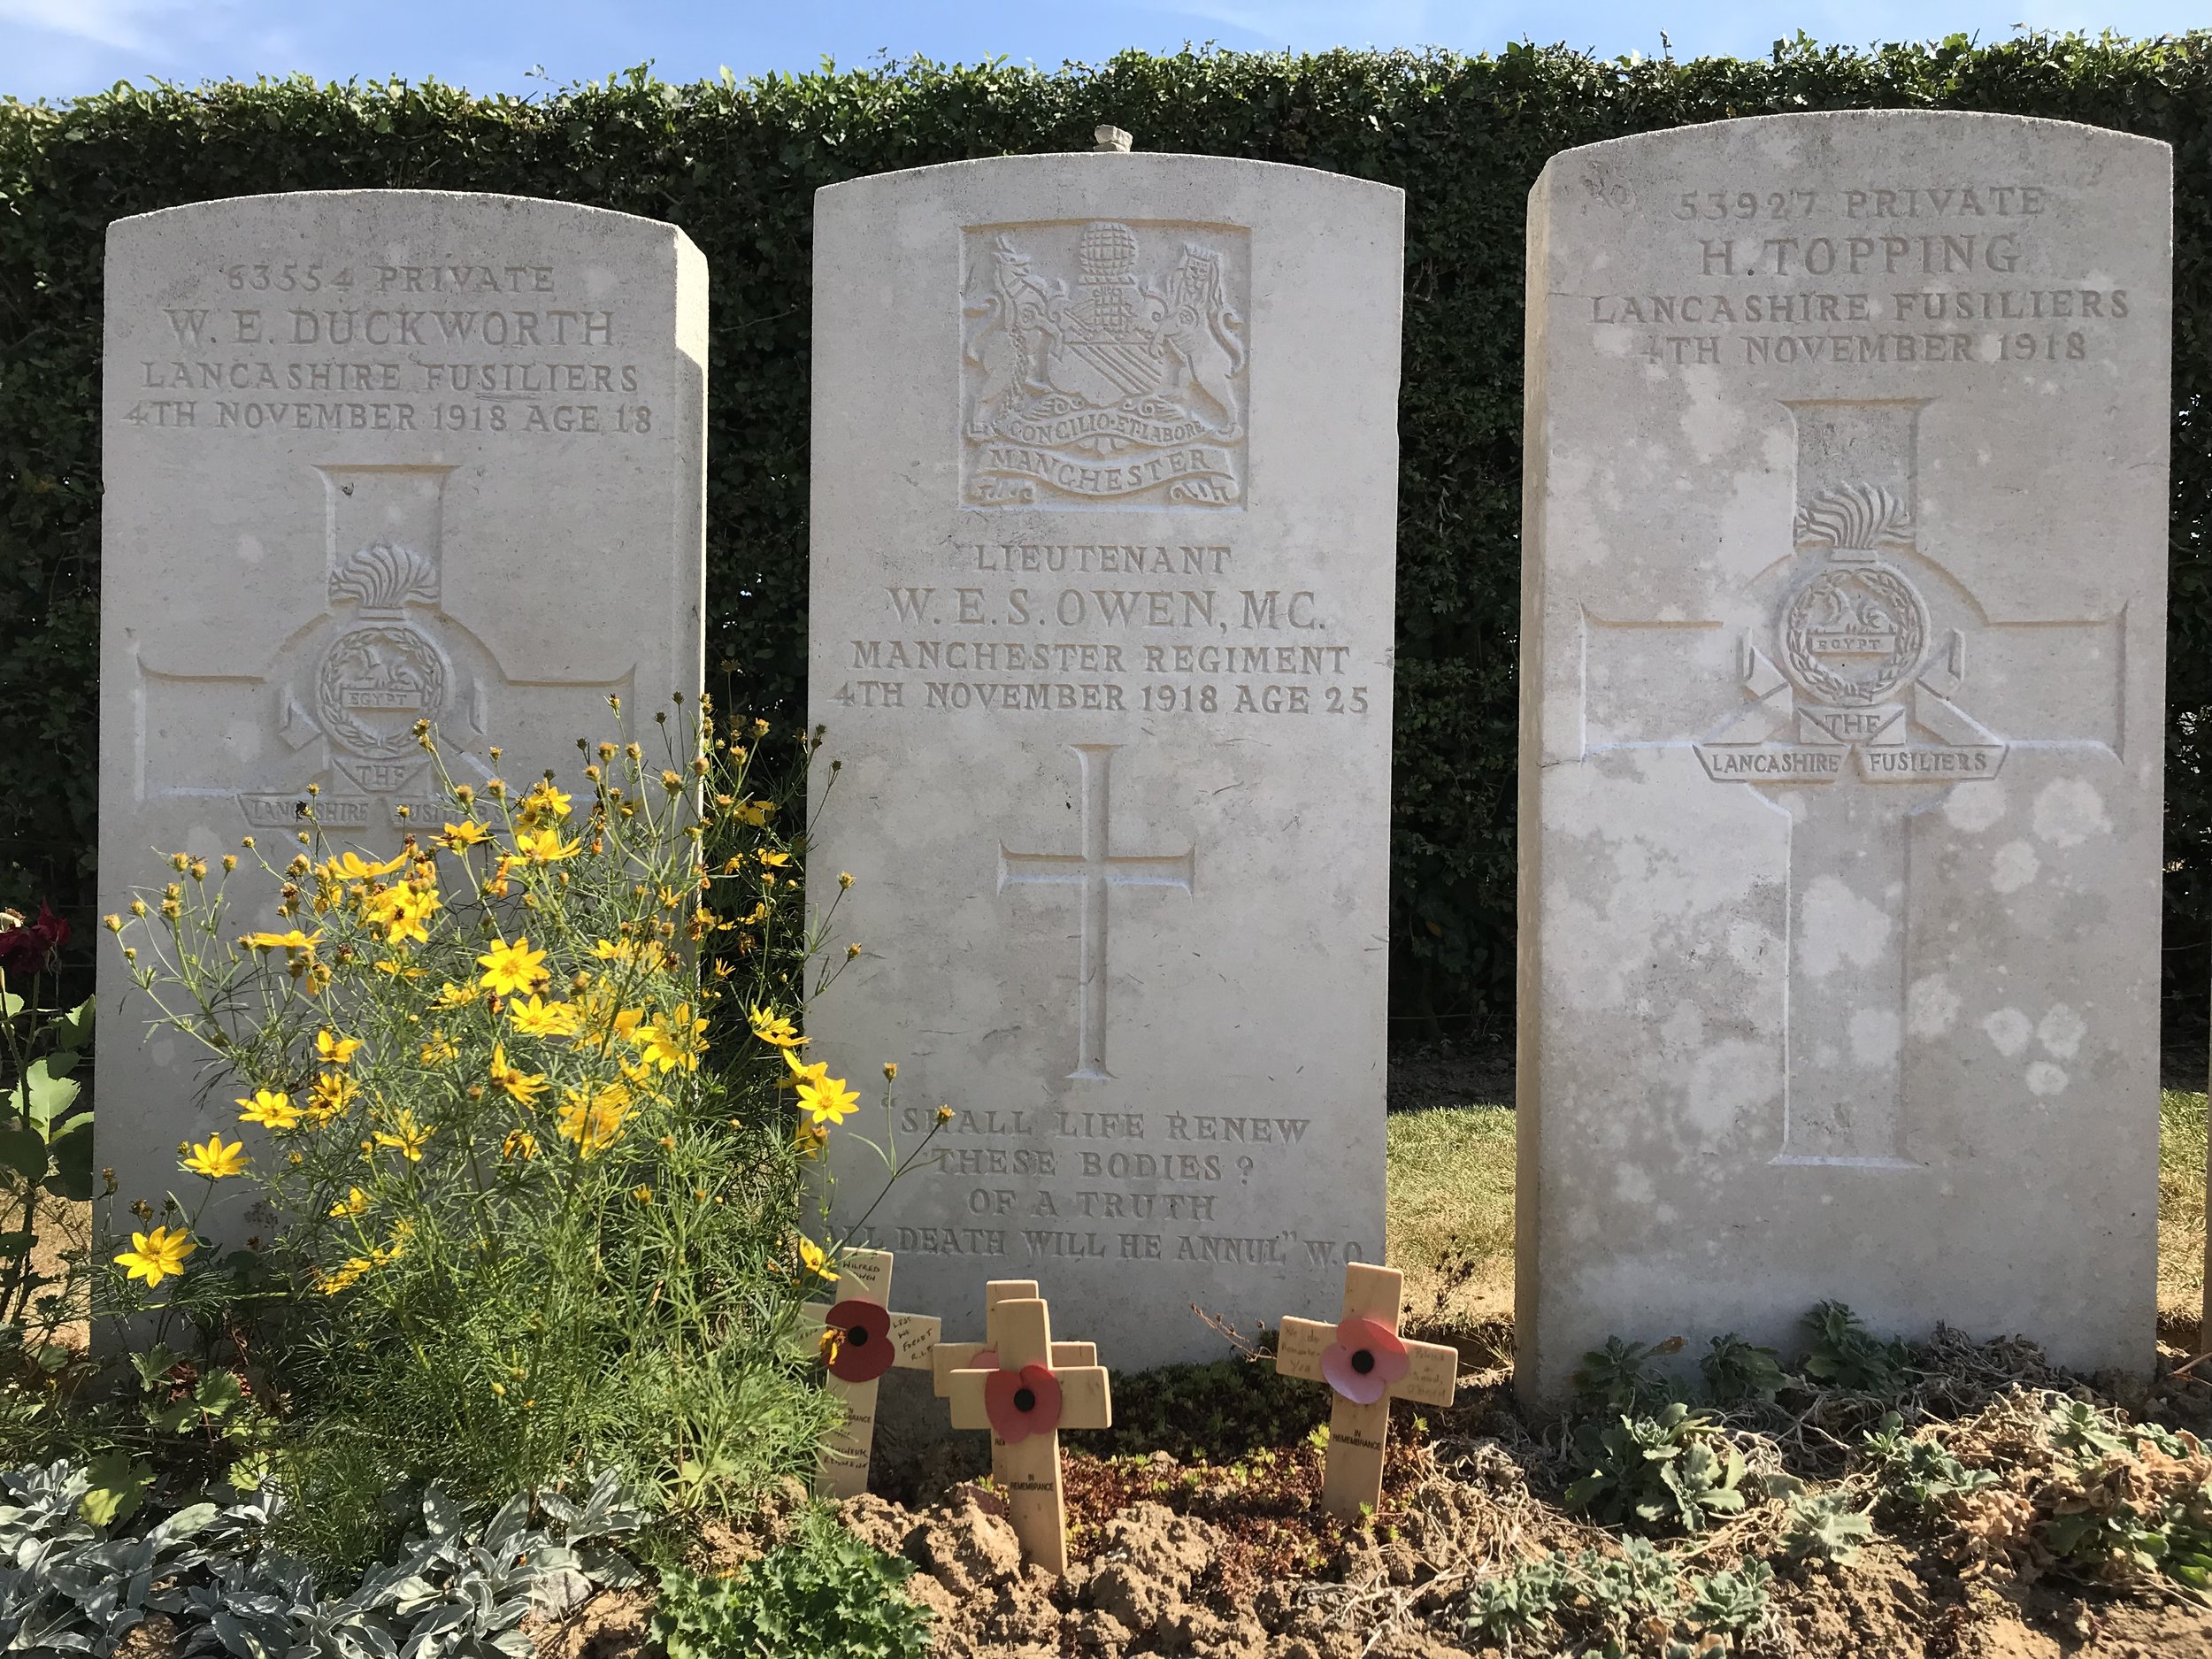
x=330 y=1097
x=594 y=1121
x=294 y=939
x=452 y=995
x=153 y=1256
x=353 y=867
x=511 y=970
x=440 y=1049
x=771 y=1026
x=464 y=835
x=520 y=1143
x=216 y=1160
x=270 y=1109
x=534 y=1017
x=812 y=1261
x=679 y=1042
x=544 y=803
x=515 y=1082
x=774 y=860
x=336 y=1050
x=643 y=1194
x=354 y=1204
x=640 y=953
x=810 y=1140
x=344 y=1277
x=406 y=1137
x=545 y=847
x=830 y=1101
x=402 y=912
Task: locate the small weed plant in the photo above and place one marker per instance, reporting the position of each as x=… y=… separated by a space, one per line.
x=1842 y=1353
x=45 y=1125
x=1676 y=1470
x=824 y=1593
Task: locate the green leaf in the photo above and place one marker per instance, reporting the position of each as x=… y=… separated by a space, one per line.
x=24 y=1151
x=119 y=1487
x=49 y=1095
x=73 y=1161
x=74 y=1030
x=218 y=1395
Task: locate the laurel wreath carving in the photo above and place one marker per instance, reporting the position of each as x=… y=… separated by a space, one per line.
x=1814 y=677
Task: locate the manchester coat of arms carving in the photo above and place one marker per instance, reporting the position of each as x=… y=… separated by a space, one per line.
x=1103 y=365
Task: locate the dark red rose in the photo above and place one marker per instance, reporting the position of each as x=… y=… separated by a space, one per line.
x=864 y=1354
x=31 y=948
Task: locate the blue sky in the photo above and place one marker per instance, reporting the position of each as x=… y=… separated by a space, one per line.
x=57 y=47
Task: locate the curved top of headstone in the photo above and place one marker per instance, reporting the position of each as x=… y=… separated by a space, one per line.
x=1121 y=170
x=602 y=218
x=1797 y=126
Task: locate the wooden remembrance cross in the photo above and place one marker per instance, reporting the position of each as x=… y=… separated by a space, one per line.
x=862 y=1340
x=1368 y=1364
x=1026 y=1399
x=951 y=1356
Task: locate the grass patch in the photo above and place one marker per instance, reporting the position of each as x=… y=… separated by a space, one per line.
x=1451 y=1213
x=2181 y=1146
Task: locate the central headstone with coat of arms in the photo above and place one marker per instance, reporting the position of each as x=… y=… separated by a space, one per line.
x=1104 y=502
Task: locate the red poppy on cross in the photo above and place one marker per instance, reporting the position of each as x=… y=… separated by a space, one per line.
x=1367 y=1364
x=1019 y=1391
x=861 y=1339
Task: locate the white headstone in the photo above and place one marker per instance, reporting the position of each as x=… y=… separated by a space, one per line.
x=371 y=457
x=1105 y=483
x=1842 y=667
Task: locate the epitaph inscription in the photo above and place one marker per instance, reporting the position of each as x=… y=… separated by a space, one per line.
x=1103 y=364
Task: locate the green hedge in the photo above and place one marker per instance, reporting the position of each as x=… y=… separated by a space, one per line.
x=736 y=165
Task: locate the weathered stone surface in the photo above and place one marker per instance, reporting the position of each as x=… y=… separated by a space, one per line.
x=1843 y=644
x=374 y=456
x=1104 y=499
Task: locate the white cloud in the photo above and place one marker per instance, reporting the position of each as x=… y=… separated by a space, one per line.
x=130 y=26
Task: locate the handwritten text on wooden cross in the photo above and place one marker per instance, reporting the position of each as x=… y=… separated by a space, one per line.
x=1026 y=1401
x=1368 y=1364
x=1095 y=870
x=867 y=1339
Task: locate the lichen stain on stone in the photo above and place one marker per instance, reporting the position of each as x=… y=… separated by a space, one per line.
x=1836 y=925
x=2069 y=811
x=2014 y=866
x=2010 y=1030
x=1931 y=1007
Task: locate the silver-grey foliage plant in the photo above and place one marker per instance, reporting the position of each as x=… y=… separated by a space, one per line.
x=69 y=1585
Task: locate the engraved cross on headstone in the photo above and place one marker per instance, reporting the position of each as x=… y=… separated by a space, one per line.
x=1095 y=870
x=339 y=706
x=1855 y=726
